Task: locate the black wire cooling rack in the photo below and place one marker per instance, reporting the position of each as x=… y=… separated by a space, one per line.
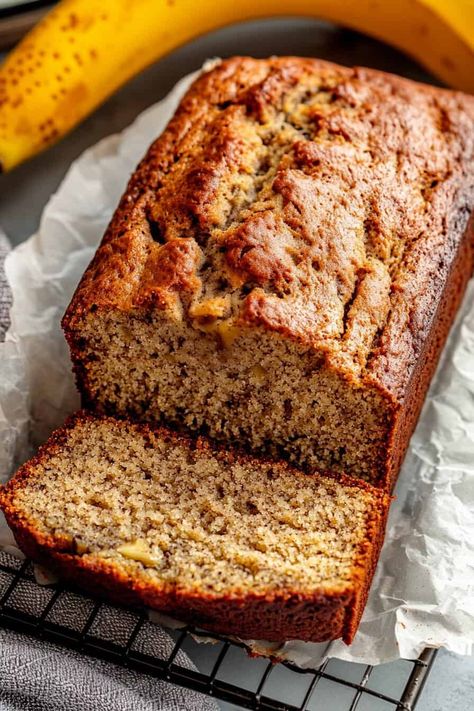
x=28 y=607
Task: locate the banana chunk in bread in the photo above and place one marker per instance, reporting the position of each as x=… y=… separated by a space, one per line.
x=284 y=266
x=230 y=543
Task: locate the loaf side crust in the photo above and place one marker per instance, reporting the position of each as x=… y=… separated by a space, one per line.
x=435 y=333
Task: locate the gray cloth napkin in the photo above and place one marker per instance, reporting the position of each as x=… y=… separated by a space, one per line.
x=38 y=676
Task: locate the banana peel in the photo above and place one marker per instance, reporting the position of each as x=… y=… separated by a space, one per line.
x=83 y=50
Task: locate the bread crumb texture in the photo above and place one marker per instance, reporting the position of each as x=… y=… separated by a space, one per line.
x=178 y=513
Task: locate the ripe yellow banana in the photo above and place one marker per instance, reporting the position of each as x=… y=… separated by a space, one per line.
x=83 y=50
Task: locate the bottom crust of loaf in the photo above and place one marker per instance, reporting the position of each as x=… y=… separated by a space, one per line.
x=275 y=619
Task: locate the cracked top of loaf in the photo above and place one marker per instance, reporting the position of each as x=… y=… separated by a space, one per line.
x=312 y=200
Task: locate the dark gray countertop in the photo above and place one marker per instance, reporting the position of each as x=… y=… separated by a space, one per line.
x=24 y=193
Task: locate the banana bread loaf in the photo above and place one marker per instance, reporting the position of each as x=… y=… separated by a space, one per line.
x=230 y=543
x=284 y=266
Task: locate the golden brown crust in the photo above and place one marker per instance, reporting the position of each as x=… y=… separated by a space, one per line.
x=329 y=203
x=276 y=616
x=306 y=178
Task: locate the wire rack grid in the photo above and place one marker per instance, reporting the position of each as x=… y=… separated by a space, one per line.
x=356 y=687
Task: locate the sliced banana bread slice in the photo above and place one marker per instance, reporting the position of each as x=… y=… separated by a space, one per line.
x=223 y=540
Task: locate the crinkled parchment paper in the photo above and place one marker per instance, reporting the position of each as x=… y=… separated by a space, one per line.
x=423 y=592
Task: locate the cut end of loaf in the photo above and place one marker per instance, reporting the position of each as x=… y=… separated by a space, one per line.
x=270 y=394
x=198 y=532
